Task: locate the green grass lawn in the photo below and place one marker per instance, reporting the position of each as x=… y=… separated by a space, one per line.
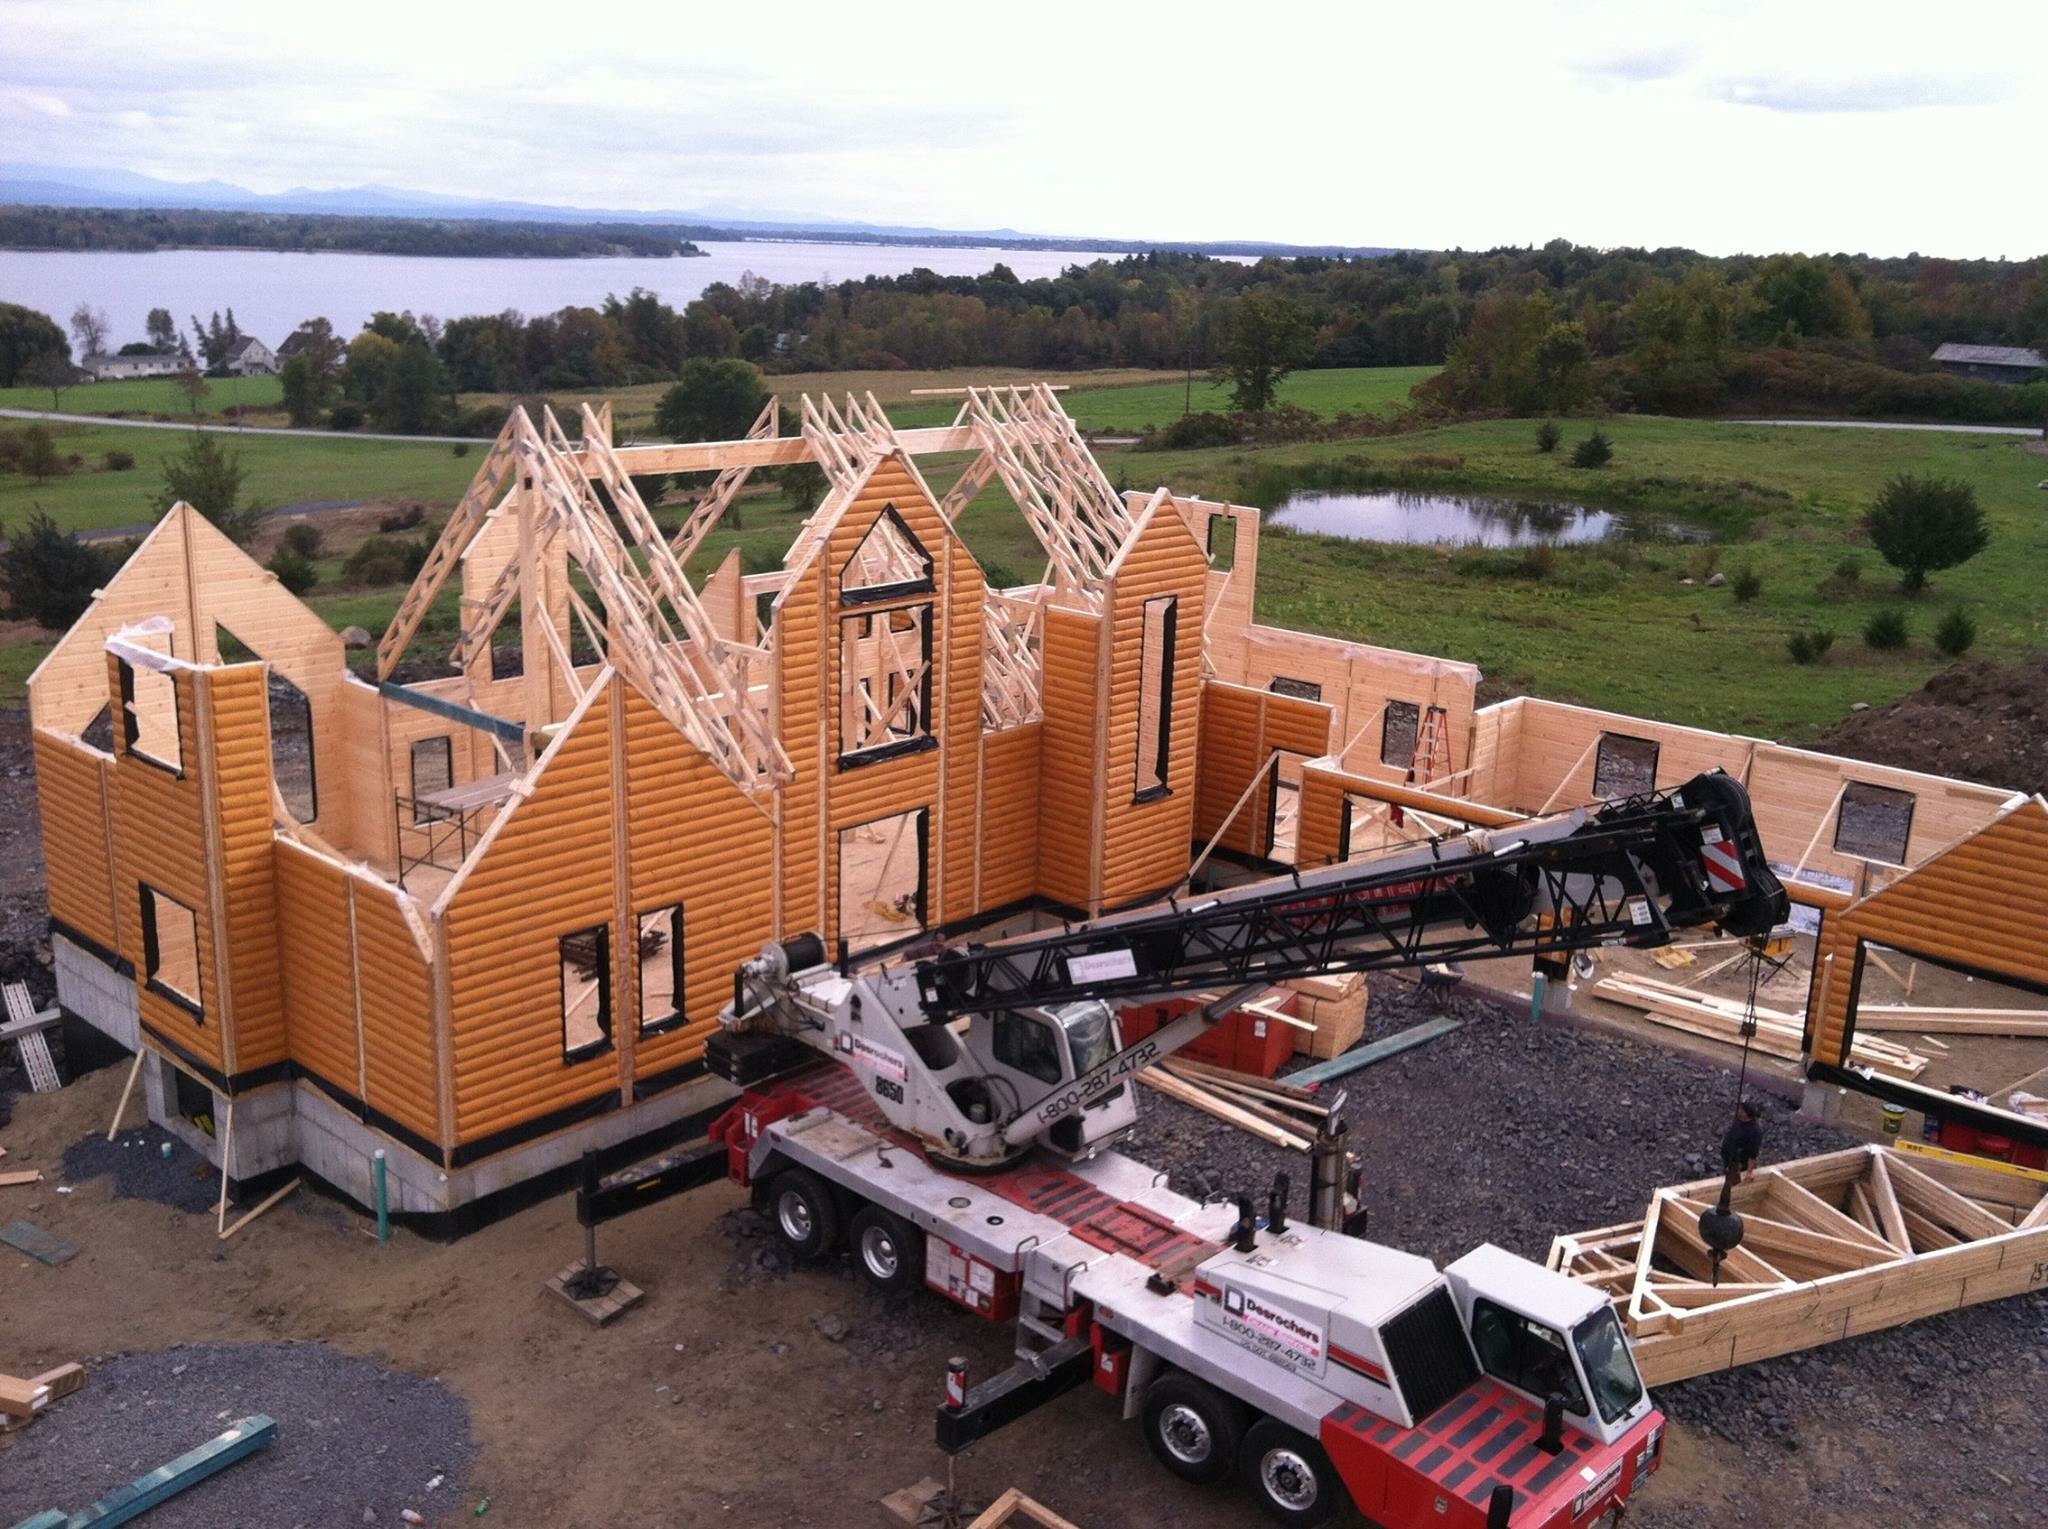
x=150 y=396
x=1611 y=624
x=281 y=470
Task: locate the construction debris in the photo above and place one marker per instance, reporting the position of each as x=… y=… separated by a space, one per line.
x=1778 y=1032
x=22 y=1401
x=2015 y=1022
x=26 y=1237
x=1258 y=1124
x=1378 y=1051
x=1832 y=1246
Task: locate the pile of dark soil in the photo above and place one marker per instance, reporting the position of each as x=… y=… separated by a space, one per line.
x=1976 y=721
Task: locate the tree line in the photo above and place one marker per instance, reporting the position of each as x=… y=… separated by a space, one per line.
x=1520 y=330
x=96 y=228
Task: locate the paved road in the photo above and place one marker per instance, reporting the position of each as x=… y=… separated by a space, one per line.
x=1885 y=424
x=172 y=424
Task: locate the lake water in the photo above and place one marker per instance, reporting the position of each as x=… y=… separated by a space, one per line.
x=1398 y=515
x=273 y=292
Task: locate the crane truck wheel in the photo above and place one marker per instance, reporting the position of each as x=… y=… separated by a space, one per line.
x=1192 y=1427
x=1289 y=1475
x=888 y=1251
x=804 y=1213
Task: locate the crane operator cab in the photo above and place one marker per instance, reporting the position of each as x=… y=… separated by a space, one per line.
x=1027 y=1056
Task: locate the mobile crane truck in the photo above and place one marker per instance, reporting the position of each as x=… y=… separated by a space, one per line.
x=953 y=1119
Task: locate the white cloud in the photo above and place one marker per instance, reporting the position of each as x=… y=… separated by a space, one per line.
x=1731 y=124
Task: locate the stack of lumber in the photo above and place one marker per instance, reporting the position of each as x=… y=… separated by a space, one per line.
x=22 y=1400
x=1779 y=1033
x=1335 y=1005
x=1942 y=1021
x=1278 y=1113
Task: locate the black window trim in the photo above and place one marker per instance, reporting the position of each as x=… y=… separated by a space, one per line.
x=152 y=953
x=675 y=1018
x=871 y=594
x=922 y=740
x=589 y=1051
x=1169 y=634
x=1655 y=747
x=1905 y=837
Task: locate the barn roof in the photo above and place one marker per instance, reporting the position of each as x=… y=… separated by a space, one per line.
x=1993 y=355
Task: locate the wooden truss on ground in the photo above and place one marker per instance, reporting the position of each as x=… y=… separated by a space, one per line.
x=1846 y=1243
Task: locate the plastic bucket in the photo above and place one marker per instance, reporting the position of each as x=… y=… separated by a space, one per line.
x=1894 y=1115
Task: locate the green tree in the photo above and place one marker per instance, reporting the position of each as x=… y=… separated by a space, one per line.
x=410 y=400
x=162 y=330
x=1519 y=357
x=40 y=458
x=49 y=577
x=804 y=482
x=1798 y=296
x=1923 y=525
x=192 y=383
x=1269 y=337
x=51 y=371
x=303 y=394
x=209 y=478
x=716 y=400
x=89 y=326
x=24 y=335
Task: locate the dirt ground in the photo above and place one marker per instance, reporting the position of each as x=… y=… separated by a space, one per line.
x=744 y=1391
x=1974 y=721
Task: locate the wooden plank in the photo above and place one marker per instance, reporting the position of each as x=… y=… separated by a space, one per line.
x=1377 y=1051
x=1261 y=1108
x=22 y=1398
x=167 y=1481
x=63 y=1380
x=37 y=1243
x=1953 y=1021
x=255 y=1211
x=1013 y=1507
x=1935 y=1199
x=1282 y=1088
x=1886 y=1203
x=23 y=1176
x=1928 y=1236
x=1803 y=1205
x=1244 y=1120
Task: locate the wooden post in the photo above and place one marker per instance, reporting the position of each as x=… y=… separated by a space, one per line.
x=126 y=1089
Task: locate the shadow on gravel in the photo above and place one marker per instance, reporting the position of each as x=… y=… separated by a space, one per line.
x=357 y=1443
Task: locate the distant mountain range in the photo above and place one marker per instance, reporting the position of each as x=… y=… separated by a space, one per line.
x=72 y=186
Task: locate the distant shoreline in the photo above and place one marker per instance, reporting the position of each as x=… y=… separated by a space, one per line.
x=692 y=252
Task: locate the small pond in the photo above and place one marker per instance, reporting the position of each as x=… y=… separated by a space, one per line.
x=1403 y=515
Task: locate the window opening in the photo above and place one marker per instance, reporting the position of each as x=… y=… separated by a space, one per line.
x=890 y=561
x=1222 y=539
x=170 y=947
x=1301 y=690
x=193 y=1099
x=1028 y=1045
x=433 y=769
x=585 y=960
x=885 y=683
x=883 y=896
x=149 y=708
x=99 y=732
x=661 y=969
x=1155 y=696
x=1624 y=766
x=1525 y=1353
x=1400 y=724
x=1874 y=823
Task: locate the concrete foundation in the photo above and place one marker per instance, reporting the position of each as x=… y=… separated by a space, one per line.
x=292 y=1123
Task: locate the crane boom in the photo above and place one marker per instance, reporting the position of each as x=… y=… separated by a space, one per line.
x=984 y=1049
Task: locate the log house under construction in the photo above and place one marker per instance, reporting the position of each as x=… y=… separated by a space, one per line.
x=484 y=922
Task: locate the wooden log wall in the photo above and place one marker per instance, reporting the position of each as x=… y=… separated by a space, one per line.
x=1071 y=746
x=238 y=709
x=1241 y=727
x=1143 y=845
x=160 y=828
x=74 y=783
x=1009 y=796
x=1981 y=904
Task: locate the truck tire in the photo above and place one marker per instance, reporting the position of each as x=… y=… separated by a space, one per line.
x=804 y=1214
x=888 y=1252
x=1192 y=1427
x=1289 y=1475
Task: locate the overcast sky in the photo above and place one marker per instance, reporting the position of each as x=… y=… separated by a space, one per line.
x=1725 y=126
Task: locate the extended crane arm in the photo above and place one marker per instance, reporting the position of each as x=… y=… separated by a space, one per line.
x=1629 y=873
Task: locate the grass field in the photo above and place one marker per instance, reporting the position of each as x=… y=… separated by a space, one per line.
x=281 y=470
x=147 y=396
x=1612 y=624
